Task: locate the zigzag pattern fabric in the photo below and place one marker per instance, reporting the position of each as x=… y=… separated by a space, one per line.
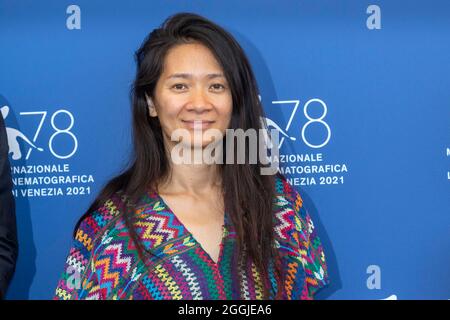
x=103 y=262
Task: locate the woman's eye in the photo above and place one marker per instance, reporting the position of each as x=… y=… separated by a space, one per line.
x=179 y=86
x=218 y=86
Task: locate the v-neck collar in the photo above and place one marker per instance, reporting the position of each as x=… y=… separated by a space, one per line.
x=225 y=228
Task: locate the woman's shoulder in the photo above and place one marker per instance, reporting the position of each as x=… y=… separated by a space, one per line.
x=286 y=196
x=284 y=189
x=109 y=213
x=290 y=214
x=93 y=224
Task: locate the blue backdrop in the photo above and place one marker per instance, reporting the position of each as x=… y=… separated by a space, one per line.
x=359 y=91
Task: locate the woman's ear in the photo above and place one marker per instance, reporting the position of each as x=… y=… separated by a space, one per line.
x=151 y=106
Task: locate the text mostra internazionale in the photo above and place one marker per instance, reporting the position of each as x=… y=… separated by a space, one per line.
x=55 y=175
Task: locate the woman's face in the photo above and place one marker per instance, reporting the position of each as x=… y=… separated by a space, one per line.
x=191 y=87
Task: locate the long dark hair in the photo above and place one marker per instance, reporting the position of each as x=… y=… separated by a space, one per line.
x=248 y=195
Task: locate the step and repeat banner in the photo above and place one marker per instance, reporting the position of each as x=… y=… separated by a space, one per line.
x=359 y=91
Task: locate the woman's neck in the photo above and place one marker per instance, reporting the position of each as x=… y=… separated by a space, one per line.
x=193 y=179
x=190 y=179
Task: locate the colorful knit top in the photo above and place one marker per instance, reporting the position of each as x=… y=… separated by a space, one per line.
x=103 y=262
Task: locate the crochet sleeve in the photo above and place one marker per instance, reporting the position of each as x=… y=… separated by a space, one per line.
x=77 y=278
x=311 y=251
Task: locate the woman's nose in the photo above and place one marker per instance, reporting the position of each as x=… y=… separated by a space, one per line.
x=199 y=101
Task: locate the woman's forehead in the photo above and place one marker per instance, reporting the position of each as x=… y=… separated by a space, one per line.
x=191 y=60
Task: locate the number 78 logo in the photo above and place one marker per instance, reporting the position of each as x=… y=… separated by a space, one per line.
x=311 y=120
x=14 y=134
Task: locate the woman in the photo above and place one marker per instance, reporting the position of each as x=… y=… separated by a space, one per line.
x=170 y=230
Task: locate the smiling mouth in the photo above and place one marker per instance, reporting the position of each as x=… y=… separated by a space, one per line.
x=198 y=123
x=201 y=121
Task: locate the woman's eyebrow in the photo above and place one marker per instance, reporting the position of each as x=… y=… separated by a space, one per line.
x=215 y=75
x=190 y=76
